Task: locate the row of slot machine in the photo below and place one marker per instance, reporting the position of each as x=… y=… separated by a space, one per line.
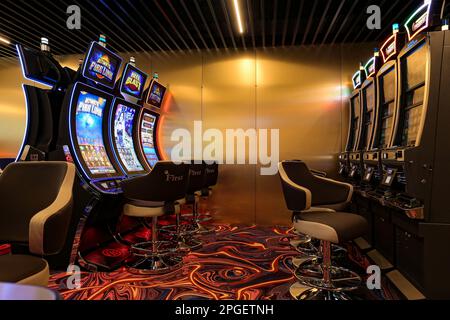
x=103 y=122
x=397 y=155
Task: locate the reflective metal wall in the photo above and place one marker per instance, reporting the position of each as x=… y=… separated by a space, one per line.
x=300 y=91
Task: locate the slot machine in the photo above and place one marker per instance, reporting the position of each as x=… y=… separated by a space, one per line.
x=42 y=104
x=124 y=122
x=386 y=93
x=413 y=212
x=84 y=140
x=149 y=120
x=366 y=120
x=345 y=169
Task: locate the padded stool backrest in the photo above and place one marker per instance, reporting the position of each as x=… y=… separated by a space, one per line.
x=196 y=177
x=296 y=197
x=167 y=182
x=211 y=174
x=36 y=204
x=317 y=190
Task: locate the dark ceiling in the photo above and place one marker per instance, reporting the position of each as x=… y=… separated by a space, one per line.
x=192 y=25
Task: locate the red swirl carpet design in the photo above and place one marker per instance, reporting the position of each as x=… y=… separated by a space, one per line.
x=238 y=262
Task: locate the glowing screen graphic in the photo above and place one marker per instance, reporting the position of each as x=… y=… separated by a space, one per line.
x=123 y=136
x=147 y=131
x=101 y=66
x=156 y=94
x=88 y=124
x=133 y=82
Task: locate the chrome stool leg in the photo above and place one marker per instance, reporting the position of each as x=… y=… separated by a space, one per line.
x=317 y=277
x=154 y=256
x=201 y=229
x=185 y=235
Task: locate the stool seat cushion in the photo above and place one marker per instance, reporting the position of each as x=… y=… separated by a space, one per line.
x=335 y=227
x=24 y=269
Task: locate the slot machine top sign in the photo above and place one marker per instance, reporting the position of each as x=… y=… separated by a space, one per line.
x=390 y=47
x=356 y=79
x=155 y=94
x=419 y=20
x=369 y=68
x=101 y=65
x=133 y=81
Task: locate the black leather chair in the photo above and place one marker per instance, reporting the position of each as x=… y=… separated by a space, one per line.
x=151 y=196
x=302 y=190
x=185 y=233
x=35 y=211
x=210 y=180
x=199 y=185
x=211 y=177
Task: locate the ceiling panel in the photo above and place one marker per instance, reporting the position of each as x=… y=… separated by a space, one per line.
x=183 y=26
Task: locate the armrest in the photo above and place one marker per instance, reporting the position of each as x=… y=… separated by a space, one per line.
x=328 y=191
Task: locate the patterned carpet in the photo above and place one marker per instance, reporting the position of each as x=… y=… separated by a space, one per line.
x=238 y=262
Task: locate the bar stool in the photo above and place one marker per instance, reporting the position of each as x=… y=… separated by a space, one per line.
x=185 y=232
x=210 y=180
x=317 y=277
x=152 y=196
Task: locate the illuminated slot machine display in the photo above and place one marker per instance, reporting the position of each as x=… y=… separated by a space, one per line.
x=124 y=122
x=366 y=119
x=354 y=125
x=88 y=108
x=147 y=135
x=411 y=215
x=148 y=122
x=386 y=92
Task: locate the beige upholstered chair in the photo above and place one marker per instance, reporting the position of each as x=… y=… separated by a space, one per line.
x=35 y=211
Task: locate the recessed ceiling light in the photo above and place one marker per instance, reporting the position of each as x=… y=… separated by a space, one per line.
x=4 y=40
x=238 y=16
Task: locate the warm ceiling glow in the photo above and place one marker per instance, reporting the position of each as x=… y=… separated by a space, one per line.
x=238 y=16
x=4 y=40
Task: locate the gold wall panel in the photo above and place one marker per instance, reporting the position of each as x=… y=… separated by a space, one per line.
x=229 y=103
x=12 y=110
x=299 y=93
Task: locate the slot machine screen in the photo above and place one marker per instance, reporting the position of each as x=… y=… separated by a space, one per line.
x=413 y=68
x=101 y=65
x=368 y=174
x=369 y=99
x=387 y=88
x=124 y=120
x=148 y=123
x=155 y=94
x=389 y=177
x=355 y=105
x=133 y=82
x=89 y=112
